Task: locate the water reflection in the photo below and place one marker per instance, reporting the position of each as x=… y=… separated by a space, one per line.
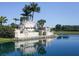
x=63 y=37
x=25 y=48
x=32 y=47
x=40 y=46
x=48 y=47
x=6 y=48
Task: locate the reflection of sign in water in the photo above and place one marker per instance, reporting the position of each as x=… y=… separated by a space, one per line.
x=32 y=46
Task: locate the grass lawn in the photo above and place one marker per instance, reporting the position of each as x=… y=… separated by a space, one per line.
x=4 y=40
x=67 y=32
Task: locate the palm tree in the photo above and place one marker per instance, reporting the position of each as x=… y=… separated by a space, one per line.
x=40 y=26
x=13 y=25
x=40 y=23
x=2 y=20
x=15 y=19
x=30 y=9
x=27 y=11
x=34 y=8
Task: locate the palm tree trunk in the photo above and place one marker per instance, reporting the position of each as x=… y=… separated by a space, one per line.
x=32 y=16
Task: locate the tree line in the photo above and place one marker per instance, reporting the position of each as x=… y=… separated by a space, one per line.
x=60 y=27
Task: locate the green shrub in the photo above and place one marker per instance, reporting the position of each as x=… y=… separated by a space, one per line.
x=6 y=32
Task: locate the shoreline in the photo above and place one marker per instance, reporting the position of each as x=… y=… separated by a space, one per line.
x=6 y=40
x=66 y=32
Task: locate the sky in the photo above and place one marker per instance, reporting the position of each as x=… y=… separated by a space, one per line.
x=64 y=13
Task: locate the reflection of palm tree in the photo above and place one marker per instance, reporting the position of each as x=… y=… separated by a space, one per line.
x=29 y=54
x=41 y=50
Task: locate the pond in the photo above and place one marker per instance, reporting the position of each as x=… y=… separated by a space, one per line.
x=67 y=45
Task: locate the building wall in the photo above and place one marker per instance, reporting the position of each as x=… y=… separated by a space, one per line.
x=49 y=33
x=25 y=34
x=33 y=34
